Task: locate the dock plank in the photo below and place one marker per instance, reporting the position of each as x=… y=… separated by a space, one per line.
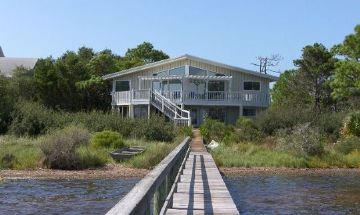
x=201 y=188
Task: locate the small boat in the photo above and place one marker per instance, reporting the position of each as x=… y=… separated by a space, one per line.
x=126 y=152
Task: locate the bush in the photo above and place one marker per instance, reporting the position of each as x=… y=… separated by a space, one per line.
x=247 y=130
x=352 y=124
x=301 y=140
x=32 y=119
x=348 y=144
x=107 y=139
x=60 y=146
x=212 y=129
x=330 y=124
x=158 y=130
x=187 y=131
x=276 y=118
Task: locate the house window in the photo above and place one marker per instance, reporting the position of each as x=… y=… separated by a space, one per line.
x=177 y=71
x=249 y=112
x=217 y=113
x=252 y=85
x=216 y=86
x=160 y=74
x=211 y=73
x=175 y=85
x=196 y=71
x=122 y=86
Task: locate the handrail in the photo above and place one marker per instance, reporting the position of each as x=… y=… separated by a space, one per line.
x=152 y=187
x=170 y=104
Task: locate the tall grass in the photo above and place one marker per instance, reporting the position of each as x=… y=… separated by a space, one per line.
x=19 y=153
x=154 y=153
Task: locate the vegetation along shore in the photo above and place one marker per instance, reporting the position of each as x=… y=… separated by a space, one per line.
x=56 y=117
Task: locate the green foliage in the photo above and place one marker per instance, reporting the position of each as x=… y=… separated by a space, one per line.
x=142 y=54
x=34 y=119
x=348 y=144
x=346 y=81
x=352 y=124
x=88 y=157
x=316 y=66
x=107 y=139
x=251 y=155
x=153 y=154
x=330 y=124
x=301 y=140
x=59 y=147
x=289 y=92
x=280 y=117
x=187 y=131
x=212 y=129
x=19 y=153
x=248 y=131
x=158 y=130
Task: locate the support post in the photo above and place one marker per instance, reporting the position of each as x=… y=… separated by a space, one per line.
x=148 y=111
x=240 y=110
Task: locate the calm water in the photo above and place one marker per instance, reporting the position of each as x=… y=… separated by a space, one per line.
x=62 y=196
x=281 y=194
x=260 y=194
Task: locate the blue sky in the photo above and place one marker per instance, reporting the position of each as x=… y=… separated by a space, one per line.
x=232 y=32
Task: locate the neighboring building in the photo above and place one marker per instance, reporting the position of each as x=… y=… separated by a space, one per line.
x=8 y=64
x=188 y=88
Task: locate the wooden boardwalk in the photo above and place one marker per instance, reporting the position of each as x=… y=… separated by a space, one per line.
x=200 y=188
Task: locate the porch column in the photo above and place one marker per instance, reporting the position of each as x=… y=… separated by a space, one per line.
x=240 y=110
x=206 y=89
x=148 y=111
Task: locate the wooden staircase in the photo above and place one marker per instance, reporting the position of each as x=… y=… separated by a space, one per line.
x=170 y=109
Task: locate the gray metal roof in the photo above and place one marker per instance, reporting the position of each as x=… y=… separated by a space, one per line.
x=8 y=64
x=183 y=57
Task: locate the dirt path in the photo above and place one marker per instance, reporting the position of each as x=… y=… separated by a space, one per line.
x=197 y=142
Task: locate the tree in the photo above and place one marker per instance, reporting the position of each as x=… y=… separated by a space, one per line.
x=264 y=63
x=316 y=67
x=346 y=81
x=142 y=54
x=289 y=92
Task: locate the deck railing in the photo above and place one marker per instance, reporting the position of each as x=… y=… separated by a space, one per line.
x=149 y=195
x=191 y=97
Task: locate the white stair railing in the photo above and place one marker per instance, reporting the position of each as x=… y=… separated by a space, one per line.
x=170 y=109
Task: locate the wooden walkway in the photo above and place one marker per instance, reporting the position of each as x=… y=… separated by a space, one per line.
x=201 y=189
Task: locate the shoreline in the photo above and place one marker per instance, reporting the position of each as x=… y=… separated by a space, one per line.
x=118 y=171
x=111 y=171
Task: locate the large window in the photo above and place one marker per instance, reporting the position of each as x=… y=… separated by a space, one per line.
x=122 y=86
x=196 y=71
x=249 y=112
x=174 y=85
x=216 y=86
x=160 y=74
x=252 y=85
x=177 y=71
x=218 y=114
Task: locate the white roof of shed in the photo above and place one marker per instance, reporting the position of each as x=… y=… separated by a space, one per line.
x=8 y=64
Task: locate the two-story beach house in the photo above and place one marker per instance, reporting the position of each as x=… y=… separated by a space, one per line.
x=188 y=88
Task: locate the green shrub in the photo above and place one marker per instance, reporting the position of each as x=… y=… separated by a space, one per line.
x=275 y=118
x=330 y=124
x=60 y=146
x=107 y=139
x=158 y=129
x=348 y=144
x=301 y=140
x=32 y=119
x=212 y=129
x=352 y=124
x=187 y=131
x=247 y=130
